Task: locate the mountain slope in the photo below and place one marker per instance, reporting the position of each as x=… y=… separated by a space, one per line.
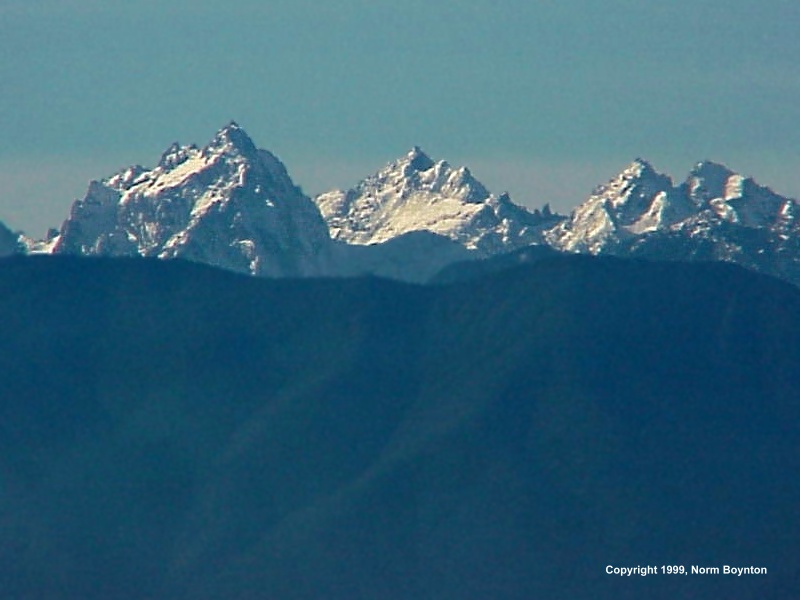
x=638 y=200
x=9 y=241
x=415 y=193
x=172 y=431
x=229 y=205
x=414 y=257
x=459 y=271
x=715 y=214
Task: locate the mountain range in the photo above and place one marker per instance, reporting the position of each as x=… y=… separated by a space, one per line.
x=232 y=205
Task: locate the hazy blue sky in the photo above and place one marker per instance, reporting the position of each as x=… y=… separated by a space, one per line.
x=545 y=98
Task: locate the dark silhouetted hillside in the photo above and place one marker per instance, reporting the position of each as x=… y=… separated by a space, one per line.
x=170 y=431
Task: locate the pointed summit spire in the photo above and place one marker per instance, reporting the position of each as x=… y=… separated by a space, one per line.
x=418 y=160
x=175 y=155
x=639 y=167
x=232 y=138
x=708 y=180
x=708 y=169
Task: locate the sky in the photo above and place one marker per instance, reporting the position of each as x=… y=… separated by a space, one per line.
x=541 y=98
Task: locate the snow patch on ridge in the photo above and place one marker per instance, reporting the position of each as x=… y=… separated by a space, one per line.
x=226 y=204
x=416 y=193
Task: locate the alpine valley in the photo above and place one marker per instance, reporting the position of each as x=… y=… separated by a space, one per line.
x=234 y=206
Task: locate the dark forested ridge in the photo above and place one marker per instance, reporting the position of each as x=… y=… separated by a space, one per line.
x=171 y=431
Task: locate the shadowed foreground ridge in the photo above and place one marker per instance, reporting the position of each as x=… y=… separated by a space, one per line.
x=172 y=431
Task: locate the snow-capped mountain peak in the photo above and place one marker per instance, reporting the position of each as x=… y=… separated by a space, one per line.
x=715 y=214
x=732 y=197
x=416 y=193
x=637 y=200
x=417 y=160
x=707 y=180
x=226 y=204
x=637 y=181
x=418 y=172
x=231 y=140
x=639 y=167
x=176 y=155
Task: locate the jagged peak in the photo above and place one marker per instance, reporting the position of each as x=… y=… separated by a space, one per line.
x=638 y=173
x=417 y=171
x=418 y=160
x=175 y=154
x=638 y=168
x=709 y=179
x=232 y=139
x=708 y=169
x=465 y=173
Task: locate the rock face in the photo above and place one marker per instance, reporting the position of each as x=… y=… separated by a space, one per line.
x=715 y=214
x=228 y=204
x=634 y=202
x=415 y=193
x=9 y=241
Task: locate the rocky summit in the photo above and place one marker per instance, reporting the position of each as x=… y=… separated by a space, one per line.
x=715 y=214
x=228 y=204
x=416 y=193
